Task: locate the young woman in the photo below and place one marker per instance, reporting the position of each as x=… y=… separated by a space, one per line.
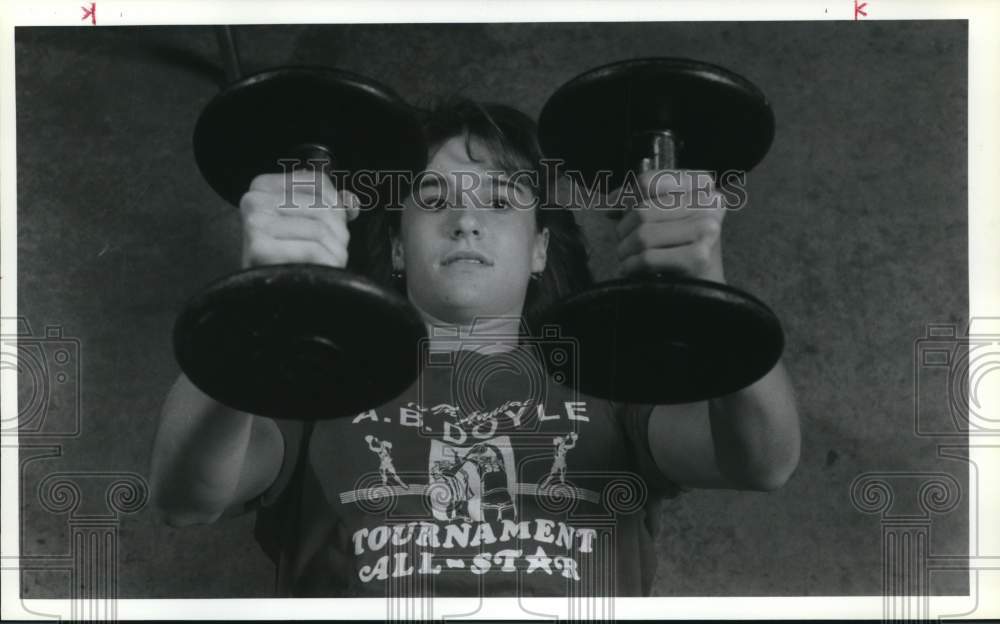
x=485 y=477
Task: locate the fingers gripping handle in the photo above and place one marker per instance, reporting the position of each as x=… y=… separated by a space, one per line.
x=653 y=150
x=314 y=156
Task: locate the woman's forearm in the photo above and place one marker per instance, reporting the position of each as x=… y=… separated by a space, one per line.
x=756 y=432
x=198 y=456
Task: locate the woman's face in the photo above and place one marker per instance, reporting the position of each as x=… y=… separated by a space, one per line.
x=468 y=253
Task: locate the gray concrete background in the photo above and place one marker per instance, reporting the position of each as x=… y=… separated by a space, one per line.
x=856 y=234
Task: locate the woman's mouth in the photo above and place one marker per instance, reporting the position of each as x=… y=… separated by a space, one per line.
x=467 y=257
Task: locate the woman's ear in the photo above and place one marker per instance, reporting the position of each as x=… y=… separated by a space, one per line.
x=540 y=252
x=397 y=255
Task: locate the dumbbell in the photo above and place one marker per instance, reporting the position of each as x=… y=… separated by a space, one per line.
x=662 y=339
x=301 y=340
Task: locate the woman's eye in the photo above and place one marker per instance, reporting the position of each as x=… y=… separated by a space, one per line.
x=434 y=203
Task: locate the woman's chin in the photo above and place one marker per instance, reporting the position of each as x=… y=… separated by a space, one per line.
x=461 y=298
x=465 y=310
x=462 y=301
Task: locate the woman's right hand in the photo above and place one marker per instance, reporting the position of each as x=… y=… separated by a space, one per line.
x=285 y=220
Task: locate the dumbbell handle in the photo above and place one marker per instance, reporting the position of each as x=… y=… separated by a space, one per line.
x=650 y=150
x=313 y=153
x=653 y=150
x=309 y=155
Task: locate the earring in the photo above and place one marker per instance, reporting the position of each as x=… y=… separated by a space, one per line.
x=397 y=274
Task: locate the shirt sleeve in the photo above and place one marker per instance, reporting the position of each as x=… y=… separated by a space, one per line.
x=634 y=419
x=293 y=432
x=276 y=506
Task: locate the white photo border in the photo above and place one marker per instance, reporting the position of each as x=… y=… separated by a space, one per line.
x=984 y=280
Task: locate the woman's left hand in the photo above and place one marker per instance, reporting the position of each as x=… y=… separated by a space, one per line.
x=675 y=226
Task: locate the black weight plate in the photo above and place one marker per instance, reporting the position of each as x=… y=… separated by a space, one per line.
x=254 y=122
x=299 y=341
x=664 y=341
x=722 y=121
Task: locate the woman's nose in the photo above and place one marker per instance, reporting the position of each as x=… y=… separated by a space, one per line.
x=465 y=223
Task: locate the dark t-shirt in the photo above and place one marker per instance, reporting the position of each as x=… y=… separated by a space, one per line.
x=483 y=478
